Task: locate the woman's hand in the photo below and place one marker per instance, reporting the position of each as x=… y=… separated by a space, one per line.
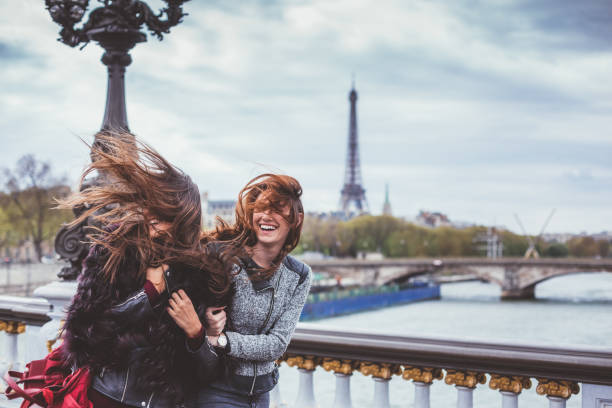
x=181 y=310
x=156 y=277
x=215 y=320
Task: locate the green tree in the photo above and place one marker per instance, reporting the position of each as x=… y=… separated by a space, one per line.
x=514 y=245
x=583 y=247
x=603 y=247
x=556 y=250
x=28 y=200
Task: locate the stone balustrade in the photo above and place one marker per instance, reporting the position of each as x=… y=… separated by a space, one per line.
x=557 y=373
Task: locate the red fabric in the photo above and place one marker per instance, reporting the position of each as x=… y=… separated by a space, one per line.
x=60 y=388
x=152 y=293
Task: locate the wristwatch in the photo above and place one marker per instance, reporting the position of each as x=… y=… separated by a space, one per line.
x=222 y=340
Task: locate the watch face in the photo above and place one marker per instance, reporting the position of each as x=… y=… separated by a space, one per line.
x=222 y=340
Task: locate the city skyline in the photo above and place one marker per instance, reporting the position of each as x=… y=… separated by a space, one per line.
x=476 y=110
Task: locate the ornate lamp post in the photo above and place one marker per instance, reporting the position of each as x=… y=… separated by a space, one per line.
x=116 y=26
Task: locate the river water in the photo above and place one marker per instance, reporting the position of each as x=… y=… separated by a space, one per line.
x=572 y=310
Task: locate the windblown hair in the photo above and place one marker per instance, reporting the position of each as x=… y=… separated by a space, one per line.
x=141 y=187
x=276 y=192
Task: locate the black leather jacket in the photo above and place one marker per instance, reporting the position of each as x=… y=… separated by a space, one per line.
x=121 y=384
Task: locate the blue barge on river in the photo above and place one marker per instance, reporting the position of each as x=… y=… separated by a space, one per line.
x=344 y=301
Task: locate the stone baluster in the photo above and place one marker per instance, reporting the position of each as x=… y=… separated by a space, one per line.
x=12 y=329
x=557 y=391
x=381 y=374
x=422 y=379
x=510 y=387
x=465 y=382
x=306 y=367
x=343 y=370
x=59 y=295
x=276 y=399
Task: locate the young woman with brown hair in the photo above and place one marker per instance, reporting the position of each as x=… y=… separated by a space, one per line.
x=270 y=289
x=145 y=283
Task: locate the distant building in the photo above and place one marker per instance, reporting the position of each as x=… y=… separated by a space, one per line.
x=387 y=205
x=212 y=209
x=432 y=219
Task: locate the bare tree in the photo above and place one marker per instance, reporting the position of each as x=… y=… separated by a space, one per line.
x=30 y=189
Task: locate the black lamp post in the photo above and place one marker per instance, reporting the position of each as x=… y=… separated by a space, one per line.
x=115 y=25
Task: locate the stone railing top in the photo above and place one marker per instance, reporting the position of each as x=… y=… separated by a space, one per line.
x=589 y=364
x=604 y=264
x=29 y=310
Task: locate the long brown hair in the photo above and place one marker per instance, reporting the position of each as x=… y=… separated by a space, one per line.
x=141 y=186
x=277 y=191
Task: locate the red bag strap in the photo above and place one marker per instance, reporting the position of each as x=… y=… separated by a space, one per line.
x=18 y=392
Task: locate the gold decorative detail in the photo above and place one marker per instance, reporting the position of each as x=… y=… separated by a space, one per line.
x=59 y=336
x=340 y=366
x=13 y=327
x=283 y=358
x=380 y=370
x=303 y=362
x=468 y=379
x=422 y=374
x=2 y=325
x=557 y=388
x=513 y=383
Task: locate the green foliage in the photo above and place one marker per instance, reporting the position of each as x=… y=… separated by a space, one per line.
x=26 y=204
x=583 y=247
x=556 y=250
x=394 y=237
x=514 y=245
x=603 y=247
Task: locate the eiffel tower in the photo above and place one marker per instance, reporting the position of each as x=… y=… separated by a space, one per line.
x=353 y=191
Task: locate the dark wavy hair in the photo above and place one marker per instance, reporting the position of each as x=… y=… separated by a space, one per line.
x=141 y=186
x=277 y=192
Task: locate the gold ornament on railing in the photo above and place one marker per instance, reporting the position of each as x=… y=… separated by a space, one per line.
x=303 y=362
x=557 y=388
x=380 y=370
x=512 y=383
x=468 y=379
x=340 y=366
x=422 y=374
x=12 y=327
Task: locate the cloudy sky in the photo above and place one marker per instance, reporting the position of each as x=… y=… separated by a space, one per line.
x=479 y=109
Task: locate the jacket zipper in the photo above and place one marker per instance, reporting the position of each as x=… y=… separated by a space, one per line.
x=263 y=326
x=150 y=398
x=127 y=376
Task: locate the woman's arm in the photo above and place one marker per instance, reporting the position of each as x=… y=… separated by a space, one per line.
x=272 y=345
x=181 y=310
x=141 y=304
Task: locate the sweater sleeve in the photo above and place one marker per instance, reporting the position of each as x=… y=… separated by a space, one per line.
x=272 y=345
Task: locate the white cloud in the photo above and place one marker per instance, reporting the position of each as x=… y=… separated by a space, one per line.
x=479 y=112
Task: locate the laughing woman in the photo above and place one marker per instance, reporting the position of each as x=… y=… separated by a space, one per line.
x=270 y=289
x=134 y=313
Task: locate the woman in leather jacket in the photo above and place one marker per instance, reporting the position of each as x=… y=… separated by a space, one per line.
x=146 y=281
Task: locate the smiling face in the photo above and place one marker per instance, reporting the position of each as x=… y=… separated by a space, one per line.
x=271 y=227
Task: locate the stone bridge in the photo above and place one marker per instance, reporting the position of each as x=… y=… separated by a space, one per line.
x=516 y=276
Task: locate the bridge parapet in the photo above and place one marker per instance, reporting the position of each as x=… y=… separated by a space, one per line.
x=517 y=277
x=556 y=372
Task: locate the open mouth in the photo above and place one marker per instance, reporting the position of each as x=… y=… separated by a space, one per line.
x=267 y=227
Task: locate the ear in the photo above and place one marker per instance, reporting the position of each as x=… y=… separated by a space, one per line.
x=300 y=219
